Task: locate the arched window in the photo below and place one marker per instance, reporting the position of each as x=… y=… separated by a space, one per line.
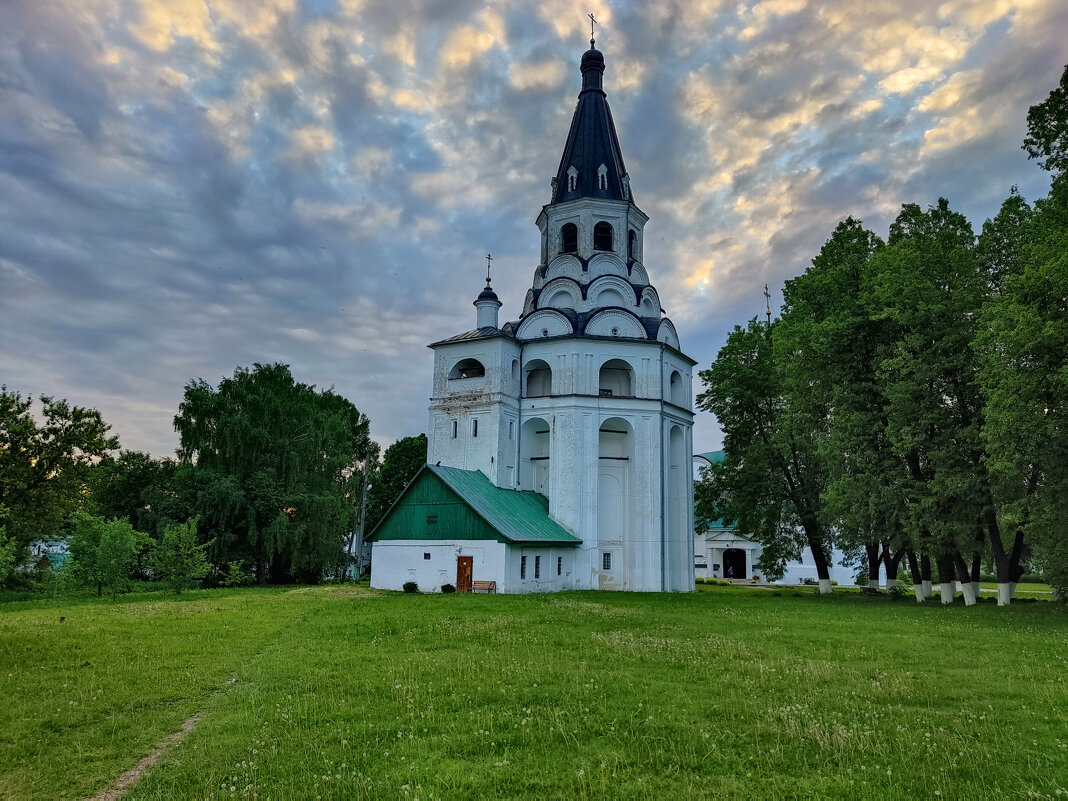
x=616 y=379
x=632 y=238
x=602 y=236
x=677 y=391
x=539 y=379
x=468 y=368
x=534 y=446
x=572 y=179
x=569 y=238
x=602 y=177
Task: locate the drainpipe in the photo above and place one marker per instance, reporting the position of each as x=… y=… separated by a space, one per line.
x=663 y=543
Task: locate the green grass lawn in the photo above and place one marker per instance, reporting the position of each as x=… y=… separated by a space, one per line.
x=343 y=692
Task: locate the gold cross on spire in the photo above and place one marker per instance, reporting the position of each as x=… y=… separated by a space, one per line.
x=592 y=21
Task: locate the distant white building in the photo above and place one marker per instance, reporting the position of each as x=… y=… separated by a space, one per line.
x=721 y=552
x=584 y=402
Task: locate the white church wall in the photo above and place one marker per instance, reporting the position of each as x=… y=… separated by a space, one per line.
x=539 y=573
x=394 y=562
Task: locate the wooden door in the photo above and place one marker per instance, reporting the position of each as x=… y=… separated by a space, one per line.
x=464 y=568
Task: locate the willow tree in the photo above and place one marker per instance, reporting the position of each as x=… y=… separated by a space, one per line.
x=274 y=467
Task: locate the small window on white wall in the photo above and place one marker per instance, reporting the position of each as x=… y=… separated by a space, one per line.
x=537 y=567
x=522 y=567
x=559 y=565
x=474 y=427
x=606 y=561
x=511 y=429
x=455 y=428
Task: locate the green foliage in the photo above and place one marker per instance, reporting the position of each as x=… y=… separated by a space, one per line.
x=447 y=588
x=1047 y=129
x=236 y=575
x=44 y=465
x=273 y=468
x=897 y=591
x=410 y=586
x=179 y=558
x=103 y=553
x=771 y=481
x=400 y=463
x=137 y=488
x=8 y=550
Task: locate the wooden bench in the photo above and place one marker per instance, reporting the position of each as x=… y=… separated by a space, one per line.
x=484 y=586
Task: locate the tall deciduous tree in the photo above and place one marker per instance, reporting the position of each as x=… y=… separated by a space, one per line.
x=44 y=462
x=103 y=553
x=1023 y=344
x=771 y=480
x=274 y=467
x=1047 y=129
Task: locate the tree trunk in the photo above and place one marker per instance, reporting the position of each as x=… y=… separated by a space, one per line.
x=874 y=559
x=977 y=569
x=945 y=576
x=925 y=575
x=917 y=579
x=892 y=562
x=822 y=566
x=964 y=578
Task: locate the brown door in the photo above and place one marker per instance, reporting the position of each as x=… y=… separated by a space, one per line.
x=464 y=567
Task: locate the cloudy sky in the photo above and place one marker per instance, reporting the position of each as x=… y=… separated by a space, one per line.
x=191 y=185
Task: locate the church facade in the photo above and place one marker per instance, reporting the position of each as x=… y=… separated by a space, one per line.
x=576 y=418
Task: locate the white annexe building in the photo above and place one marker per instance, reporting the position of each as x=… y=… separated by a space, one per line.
x=559 y=444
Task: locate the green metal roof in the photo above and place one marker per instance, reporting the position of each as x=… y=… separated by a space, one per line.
x=493 y=513
x=517 y=516
x=712 y=457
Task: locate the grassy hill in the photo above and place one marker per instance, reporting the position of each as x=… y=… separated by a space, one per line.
x=346 y=692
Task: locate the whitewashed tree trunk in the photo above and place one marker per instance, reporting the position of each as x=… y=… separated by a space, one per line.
x=977 y=590
x=928 y=588
x=891 y=582
x=949 y=592
x=969 y=593
x=920 y=597
x=825 y=586
x=1012 y=589
x=1004 y=593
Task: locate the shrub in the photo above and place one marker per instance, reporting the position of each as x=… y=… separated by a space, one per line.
x=897 y=591
x=236 y=576
x=861 y=579
x=447 y=588
x=699 y=580
x=411 y=586
x=808 y=581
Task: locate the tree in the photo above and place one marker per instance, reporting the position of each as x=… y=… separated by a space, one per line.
x=44 y=465
x=8 y=550
x=400 y=463
x=178 y=558
x=138 y=488
x=273 y=469
x=771 y=480
x=102 y=553
x=1023 y=344
x=1047 y=129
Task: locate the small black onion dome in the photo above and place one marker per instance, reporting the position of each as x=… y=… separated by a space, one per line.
x=593 y=59
x=488 y=294
x=592 y=70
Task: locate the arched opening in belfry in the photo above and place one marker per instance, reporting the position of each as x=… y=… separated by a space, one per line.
x=602 y=236
x=569 y=238
x=534 y=456
x=616 y=379
x=468 y=368
x=539 y=379
x=677 y=390
x=632 y=238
